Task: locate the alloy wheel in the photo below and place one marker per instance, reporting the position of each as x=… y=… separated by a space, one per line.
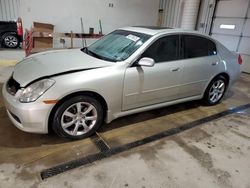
x=216 y=91
x=79 y=118
x=10 y=41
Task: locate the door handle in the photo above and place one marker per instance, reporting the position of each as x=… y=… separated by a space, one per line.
x=215 y=63
x=175 y=69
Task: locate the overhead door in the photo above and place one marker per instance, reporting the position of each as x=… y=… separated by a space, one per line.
x=231 y=26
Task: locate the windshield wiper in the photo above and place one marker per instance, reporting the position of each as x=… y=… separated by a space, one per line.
x=87 y=51
x=99 y=56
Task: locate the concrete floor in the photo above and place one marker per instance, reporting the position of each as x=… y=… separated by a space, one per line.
x=215 y=154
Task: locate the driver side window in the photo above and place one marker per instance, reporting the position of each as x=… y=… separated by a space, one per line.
x=164 y=49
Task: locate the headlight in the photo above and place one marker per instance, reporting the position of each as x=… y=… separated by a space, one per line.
x=35 y=90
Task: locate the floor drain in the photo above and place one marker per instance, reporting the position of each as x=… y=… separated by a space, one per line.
x=71 y=165
x=100 y=143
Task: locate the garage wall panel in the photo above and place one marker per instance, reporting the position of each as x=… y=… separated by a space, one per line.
x=245 y=66
x=9 y=10
x=232 y=8
x=181 y=13
x=172 y=8
x=238 y=23
x=190 y=12
x=246 y=30
x=245 y=45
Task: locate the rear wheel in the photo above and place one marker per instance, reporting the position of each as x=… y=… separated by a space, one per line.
x=215 y=90
x=78 y=117
x=10 y=40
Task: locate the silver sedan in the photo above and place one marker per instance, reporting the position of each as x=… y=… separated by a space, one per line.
x=130 y=70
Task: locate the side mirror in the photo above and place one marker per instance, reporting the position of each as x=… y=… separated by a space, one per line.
x=146 y=62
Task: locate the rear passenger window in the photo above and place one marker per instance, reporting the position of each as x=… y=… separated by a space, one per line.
x=195 y=46
x=164 y=49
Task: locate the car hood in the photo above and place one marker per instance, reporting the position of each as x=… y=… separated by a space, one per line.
x=54 y=62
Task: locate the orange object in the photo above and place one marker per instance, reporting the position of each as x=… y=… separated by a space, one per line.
x=50 y=101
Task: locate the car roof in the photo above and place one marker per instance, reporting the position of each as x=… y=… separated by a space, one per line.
x=153 y=30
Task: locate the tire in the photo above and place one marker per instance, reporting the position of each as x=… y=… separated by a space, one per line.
x=10 y=40
x=215 y=91
x=78 y=117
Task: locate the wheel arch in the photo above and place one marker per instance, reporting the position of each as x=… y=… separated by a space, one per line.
x=224 y=74
x=2 y=34
x=93 y=94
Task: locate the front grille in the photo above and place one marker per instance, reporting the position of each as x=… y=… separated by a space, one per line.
x=12 y=86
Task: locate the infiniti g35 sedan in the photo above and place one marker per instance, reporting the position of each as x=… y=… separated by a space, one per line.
x=130 y=70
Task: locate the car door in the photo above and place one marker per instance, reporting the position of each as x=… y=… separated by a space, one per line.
x=200 y=64
x=151 y=85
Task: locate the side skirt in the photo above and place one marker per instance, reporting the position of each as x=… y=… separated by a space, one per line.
x=111 y=116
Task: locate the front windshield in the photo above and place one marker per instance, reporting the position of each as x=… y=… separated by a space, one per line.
x=117 y=46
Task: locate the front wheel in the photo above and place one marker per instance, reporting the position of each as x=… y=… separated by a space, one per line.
x=215 y=91
x=78 y=117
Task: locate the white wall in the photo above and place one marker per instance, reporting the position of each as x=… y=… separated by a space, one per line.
x=65 y=14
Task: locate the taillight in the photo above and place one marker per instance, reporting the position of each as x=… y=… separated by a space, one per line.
x=19 y=27
x=240 y=61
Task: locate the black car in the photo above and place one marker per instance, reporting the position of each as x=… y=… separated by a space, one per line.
x=11 y=33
